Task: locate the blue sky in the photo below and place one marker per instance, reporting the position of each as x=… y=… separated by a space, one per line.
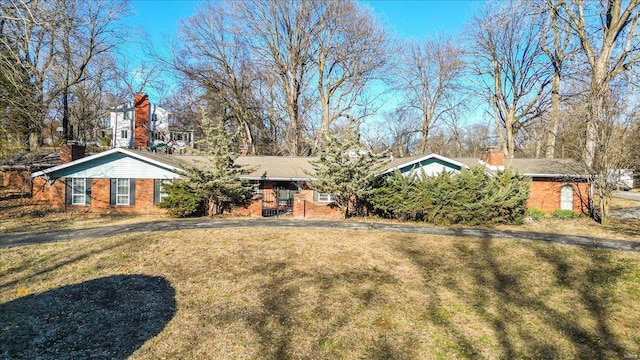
x=408 y=19
x=159 y=19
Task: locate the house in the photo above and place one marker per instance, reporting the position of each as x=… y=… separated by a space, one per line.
x=127 y=180
x=141 y=124
x=555 y=183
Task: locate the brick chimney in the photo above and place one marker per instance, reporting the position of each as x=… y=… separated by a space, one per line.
x=141 y=121
x=493 y=157
x=70 y=152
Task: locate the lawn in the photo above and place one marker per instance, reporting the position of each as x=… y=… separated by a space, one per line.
x=289 y=293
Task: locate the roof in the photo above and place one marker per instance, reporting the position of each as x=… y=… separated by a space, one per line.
x=31 y=160
x=142 y=155
x=262 y=167
x=400 y=163
x=299 y=168
x=547 y=167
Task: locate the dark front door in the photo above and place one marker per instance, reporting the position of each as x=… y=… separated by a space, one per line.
x=278 y=202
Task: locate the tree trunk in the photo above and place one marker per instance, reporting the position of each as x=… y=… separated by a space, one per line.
x=552 y=131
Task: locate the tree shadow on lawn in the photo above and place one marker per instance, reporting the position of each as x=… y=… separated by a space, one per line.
x=286 y=317
x=570 y=314
x=109 y=317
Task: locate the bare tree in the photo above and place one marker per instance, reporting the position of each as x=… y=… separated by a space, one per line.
x=429 y=76
x=216 y=56
x=350 y=52
x=281 y=34
x=511 y=73
x=53 y=43
x=559 y=48
x=608 y=36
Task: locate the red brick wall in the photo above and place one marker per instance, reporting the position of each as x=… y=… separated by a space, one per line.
x=53 y=195
x=19 y=180
x=253 y=209
x=304 y=206
x=100 y=196
x=545 y=195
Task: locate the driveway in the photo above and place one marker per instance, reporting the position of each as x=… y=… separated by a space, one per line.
x=174 y=225
x=628 y=213
x=627 y=195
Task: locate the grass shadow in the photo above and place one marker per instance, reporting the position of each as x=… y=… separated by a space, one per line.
x=109 y=317
x=495 y=289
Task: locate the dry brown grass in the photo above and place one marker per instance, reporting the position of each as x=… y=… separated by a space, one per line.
x=278 y=294
x=19 y=214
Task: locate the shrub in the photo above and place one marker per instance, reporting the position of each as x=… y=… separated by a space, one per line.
x=535 y=214
x=564 y=214
x=469 y=197
x=182 y=201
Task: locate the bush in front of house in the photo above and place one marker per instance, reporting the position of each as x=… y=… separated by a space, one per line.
x=535 y=214
x=470 y=197
x=564 y=214
x=182 y=200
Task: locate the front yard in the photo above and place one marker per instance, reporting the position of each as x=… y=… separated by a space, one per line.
x=289 y=293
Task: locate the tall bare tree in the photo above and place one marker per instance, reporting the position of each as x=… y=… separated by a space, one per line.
x=53 y=43
x=215 y=55
x=608 y=36
x=282 y=34
x=507 y=62
x=429 y=76
x=350 y=53
x=559 y=48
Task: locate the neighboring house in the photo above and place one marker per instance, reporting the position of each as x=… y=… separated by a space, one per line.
x=141 y=124
x=131 y=181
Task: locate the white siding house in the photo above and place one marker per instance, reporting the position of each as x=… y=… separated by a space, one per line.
x=121 y=121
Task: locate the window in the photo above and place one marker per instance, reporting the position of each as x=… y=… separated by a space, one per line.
x=322 y=197
x=154 y=117
x=126 y=115
x=566 y=197
x=122 y=195
x=78 y=191
x=123 y=191
x=159 y=190
x=124 y=134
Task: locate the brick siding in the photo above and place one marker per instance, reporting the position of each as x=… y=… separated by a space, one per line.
x=545 y=195
x=55 y=195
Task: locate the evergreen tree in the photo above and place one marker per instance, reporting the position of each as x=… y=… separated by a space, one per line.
x=218 y=181
x=346 y=170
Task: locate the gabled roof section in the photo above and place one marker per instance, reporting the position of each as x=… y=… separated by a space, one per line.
x=401 y=163
x=161 y=161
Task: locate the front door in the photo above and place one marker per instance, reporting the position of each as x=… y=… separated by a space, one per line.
x=566 y=197
x=279 y=201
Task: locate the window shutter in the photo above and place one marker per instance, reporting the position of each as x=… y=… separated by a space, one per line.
x=69 y=191
x=156 y=191
x=87 y=191
x=315 y=196
x=132 y=191
x=113 y=192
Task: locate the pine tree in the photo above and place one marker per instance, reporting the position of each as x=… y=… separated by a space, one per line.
x=217 y=181
x=346 y=170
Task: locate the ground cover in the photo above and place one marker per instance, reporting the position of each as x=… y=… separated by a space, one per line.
x=301 y=293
